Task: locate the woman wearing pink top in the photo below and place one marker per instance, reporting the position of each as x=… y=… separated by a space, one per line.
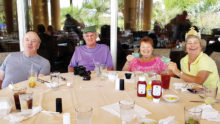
x=147 y=62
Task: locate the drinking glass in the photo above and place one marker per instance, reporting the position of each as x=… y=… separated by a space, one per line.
x=165 y=79
x=16 y=93
x=97 y=69
x=26 y=101
x=192 y=115
x=210 y=94
x=104 y=71
x=84 y=115
x=55 y=79
x=126 y=110
x=33 y=75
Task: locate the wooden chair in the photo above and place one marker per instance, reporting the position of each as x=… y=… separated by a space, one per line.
x=162 y=52
x=216 y=57
x=3 y=55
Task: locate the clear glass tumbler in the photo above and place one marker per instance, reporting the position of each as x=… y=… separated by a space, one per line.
x=126 y=110
x=84 y=115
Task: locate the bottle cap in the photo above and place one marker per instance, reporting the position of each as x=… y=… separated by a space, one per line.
x=150 y=82
x=156 y=100
x=142 y=78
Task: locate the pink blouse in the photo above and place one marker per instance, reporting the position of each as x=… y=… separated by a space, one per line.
x=154 y=66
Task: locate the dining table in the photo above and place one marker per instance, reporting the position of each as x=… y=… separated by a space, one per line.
x=98 y=93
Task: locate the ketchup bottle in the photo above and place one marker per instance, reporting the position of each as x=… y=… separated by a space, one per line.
x=156 y=90
x=141 y=87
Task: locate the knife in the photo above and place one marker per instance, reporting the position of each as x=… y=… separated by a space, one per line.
x=204 y=101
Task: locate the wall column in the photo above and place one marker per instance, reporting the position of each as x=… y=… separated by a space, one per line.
x=130 y=14
x=9 y=15
x=55 y=14
x=40 y=13
x=147 y=14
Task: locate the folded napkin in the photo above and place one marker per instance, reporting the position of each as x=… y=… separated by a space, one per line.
x=115 y=110
x=5 y=106
x=20 y=116
x=209 y=113
x=168 y=120
x=54 y=84
x=146 y=121
x=182 y=86
x=112 y=76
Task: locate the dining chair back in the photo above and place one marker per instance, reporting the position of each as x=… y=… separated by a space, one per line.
x=3 y=55
x=162 y=52
x=216 y=57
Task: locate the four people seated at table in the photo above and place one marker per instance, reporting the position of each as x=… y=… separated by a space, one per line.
x=17 y=66
x=91 y=53
x=147 y=62
x=196 y=66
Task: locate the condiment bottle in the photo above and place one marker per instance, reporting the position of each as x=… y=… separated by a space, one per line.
x=156 y=90
x=149 y=90
x=141 y=87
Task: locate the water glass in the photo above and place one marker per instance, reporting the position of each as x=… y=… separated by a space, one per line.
x=26 y=101
x=210 y=94
x=55 y=79
x=126 y=110
x=84 y=115
x=192 y=115
x=97 y=69
x=104 y=71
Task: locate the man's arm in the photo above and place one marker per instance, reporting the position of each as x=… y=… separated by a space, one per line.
x=2 y=75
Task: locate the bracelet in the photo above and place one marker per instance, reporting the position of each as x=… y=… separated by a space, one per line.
x=181 y=73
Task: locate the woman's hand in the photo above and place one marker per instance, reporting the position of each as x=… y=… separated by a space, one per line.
x=126 y=66
x=173 y=67
x=129 y=58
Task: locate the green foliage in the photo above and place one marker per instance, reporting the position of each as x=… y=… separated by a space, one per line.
x=91 y=13
x=163 y=16
x=181 y=4
x=97 y=12
x=203 y=13
x=2 y=17
x=75 y=12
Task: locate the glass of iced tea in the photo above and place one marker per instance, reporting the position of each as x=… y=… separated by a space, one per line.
x=17 y=92
x=26 y=101
x=165 y=79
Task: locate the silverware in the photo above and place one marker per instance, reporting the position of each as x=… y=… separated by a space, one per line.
x=197 y=101
x=42 y=81
x=202 y=97
x=204 y=101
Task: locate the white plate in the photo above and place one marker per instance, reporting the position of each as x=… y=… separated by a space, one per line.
x=170 y=98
